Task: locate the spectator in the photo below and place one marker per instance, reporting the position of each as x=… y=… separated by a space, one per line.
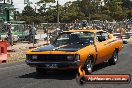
x=9 y=34
x=32 y=33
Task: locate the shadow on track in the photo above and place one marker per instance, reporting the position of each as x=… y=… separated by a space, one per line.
x=100 y=66
x=60 y=75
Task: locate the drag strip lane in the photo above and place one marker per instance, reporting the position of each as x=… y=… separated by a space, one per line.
x=19 y=75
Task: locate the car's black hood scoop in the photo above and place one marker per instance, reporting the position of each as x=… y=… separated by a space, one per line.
x=69 y=48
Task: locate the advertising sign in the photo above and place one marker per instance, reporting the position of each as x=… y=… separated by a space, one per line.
x=1 y=10
x=6 y=1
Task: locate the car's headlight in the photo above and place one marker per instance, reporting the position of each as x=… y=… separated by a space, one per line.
x=34 y=57
x=70 y=57
x=77 y=57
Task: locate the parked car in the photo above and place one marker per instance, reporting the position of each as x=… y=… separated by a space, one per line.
x=75 y=49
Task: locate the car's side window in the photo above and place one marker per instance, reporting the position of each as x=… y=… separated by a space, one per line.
x=105 y=36
x=101 y=36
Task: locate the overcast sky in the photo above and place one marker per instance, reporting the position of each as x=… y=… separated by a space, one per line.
x=20 y=3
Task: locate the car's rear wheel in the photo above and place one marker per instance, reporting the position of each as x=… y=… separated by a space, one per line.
x=88 y=66
x=114 y=58
x=41 y=71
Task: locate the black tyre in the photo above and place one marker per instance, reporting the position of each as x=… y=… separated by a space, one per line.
x=41 y=71
x=114 y=58
x=88 y=66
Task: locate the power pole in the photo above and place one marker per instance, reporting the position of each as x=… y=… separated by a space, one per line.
x=4 y=1
x=58 y=13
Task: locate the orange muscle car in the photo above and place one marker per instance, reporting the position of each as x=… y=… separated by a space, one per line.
x=76 y=49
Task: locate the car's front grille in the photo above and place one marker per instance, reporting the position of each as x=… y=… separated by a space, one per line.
x=48 y=57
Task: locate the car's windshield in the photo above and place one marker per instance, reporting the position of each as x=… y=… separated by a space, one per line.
x=76 y=38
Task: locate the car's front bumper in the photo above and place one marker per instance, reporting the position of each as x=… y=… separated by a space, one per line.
x=60 y=65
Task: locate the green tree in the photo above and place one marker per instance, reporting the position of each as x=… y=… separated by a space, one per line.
x=127 y=4
x=127 y=8
x=79 y=9
x=43 y=6
x=51 y=15
x=115 y=10
x=29 y=15
x=28 y=11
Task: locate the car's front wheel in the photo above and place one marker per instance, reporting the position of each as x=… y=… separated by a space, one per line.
x=114 y=58
x=88 y=66
x=41 y=71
